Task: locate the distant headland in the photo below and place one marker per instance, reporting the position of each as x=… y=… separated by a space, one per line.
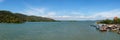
x=10 y=17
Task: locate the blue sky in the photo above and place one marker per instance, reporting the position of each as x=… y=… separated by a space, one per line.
x=65 y=9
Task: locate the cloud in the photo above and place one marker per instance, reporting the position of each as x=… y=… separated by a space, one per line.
x=73 y=15
x=1 y=0
x=96 y=16
x=38 y=12
x=108 y=14
x=65 y=17
x=34 y=11
x=50 y=14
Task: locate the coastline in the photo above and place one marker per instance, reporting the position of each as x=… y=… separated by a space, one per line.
x=108 y=27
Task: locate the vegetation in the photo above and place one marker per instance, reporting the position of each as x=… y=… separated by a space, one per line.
x=38 y=19
x=9 y=17
x=108 y=21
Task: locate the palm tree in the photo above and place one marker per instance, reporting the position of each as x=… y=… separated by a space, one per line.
x=115 y=20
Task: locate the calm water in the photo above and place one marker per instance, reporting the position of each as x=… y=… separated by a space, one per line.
x=54 y=31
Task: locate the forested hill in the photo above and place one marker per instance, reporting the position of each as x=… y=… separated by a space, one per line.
x=10 y=17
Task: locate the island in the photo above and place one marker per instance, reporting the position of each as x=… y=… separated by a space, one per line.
x=10 y=17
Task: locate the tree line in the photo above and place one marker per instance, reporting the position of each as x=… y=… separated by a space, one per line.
x=10 y=17
x=108 y=21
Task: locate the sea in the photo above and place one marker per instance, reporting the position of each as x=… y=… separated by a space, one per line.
x=76 y=30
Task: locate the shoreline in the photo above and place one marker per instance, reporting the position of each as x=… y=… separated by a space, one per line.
x=108 y=27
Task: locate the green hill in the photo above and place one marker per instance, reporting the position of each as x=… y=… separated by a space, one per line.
x=10 y=17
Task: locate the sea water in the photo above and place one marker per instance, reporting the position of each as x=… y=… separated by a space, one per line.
x=79 y=30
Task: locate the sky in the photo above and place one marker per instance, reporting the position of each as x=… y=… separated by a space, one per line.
x=65 y=9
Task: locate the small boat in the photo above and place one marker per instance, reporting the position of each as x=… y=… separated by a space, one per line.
x=103 y=28
x=119 y=32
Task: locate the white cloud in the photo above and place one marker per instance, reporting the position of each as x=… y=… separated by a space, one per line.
x=39 y=10
x=97 y=16
x=1 y=0
x=75 y=15
x=107 y=14
x=51 y=14
x=34 y=11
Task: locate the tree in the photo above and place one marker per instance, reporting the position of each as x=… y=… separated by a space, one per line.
x=9 y=17
x=107 y=21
